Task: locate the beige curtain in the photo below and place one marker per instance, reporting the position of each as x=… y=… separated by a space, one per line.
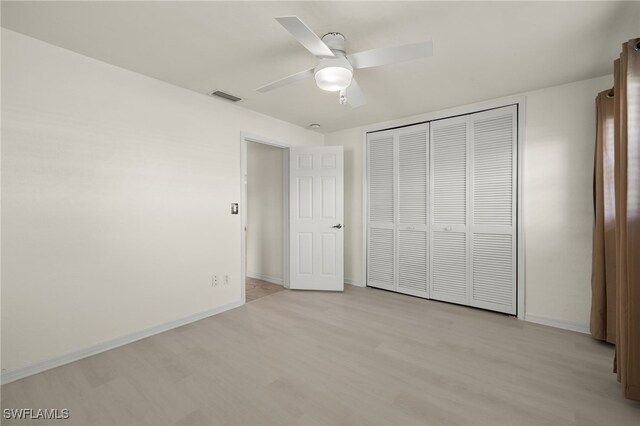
x=622 y=284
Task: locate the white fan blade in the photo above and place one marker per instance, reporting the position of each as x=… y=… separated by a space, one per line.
x=305 y=36
x=355 y=97
x=287 y=80
x=390 y=55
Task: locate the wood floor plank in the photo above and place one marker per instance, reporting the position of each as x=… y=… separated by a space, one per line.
x=364 y=356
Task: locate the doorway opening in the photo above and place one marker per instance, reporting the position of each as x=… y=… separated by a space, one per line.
x=265 y=218
x=305 y=235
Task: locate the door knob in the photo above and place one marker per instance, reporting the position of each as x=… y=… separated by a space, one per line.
x=339 y=226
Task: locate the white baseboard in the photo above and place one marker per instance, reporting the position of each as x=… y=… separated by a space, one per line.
x=266 y=278
x=38 y=367
x=354 y=282
x=564 y=324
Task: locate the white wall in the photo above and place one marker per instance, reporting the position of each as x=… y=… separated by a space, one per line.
x=558 y=207
x=264 y=211
x=558 y=200
x=116 y=192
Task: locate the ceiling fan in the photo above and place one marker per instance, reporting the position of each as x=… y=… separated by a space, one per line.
x=334 y=71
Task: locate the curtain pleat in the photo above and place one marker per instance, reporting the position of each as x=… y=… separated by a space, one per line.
x=603 y=276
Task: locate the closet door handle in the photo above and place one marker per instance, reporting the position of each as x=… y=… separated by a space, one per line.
x=338 y=226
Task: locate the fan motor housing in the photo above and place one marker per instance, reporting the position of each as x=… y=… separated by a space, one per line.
x=334 y=41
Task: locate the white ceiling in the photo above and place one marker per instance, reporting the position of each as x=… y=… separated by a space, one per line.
x=482 y=50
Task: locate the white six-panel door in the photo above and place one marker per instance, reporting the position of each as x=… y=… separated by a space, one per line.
x=442 y=210
x=316 y=216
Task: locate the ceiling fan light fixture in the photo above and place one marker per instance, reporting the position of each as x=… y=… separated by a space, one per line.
x=333 y=79
x=333 y=75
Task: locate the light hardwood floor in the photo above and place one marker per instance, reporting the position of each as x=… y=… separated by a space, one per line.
x=256 y=289
x=364 y=356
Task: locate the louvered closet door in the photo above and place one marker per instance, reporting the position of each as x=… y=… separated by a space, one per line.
x=493 y=210
x=449 y=249
x=381 y=193
x=412 y=237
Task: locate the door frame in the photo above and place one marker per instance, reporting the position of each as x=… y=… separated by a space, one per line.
x=520 y=102
x=249 y=137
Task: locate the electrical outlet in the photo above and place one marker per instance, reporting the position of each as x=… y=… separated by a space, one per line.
x=214 y=281
x=226 y=279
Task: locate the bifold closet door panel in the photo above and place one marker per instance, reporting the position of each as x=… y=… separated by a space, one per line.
x=449 y=210
x=413 y=195
x=381 y=265
x=381 y=272
x=442 y=209
x=493 y=206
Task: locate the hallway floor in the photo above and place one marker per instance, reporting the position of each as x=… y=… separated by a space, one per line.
x=255 y=289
